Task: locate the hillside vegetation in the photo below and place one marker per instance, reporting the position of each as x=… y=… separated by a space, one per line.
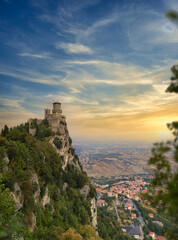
x=42 y=194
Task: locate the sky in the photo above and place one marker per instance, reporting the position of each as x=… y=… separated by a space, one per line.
x=107 y=61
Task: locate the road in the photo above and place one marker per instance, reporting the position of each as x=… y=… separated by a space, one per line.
x=118 y=218
x=140 y=216
x=140 y=219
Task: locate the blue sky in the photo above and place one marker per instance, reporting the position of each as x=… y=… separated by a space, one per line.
x=107 y=62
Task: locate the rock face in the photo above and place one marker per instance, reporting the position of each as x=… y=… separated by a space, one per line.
x=85 y=190
x=17 y=196
x=46 y=199
x=5 y=162
x=66 y=151
x=64 y=186
x=94 y=213
x=34 y=180
x=16 y=200
x=33 y=222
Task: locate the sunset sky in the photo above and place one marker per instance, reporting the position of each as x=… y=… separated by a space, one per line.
x=107 y=61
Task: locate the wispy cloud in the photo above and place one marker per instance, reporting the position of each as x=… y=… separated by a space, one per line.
x=66 y=98
x=12 y=112
x=99 y=24
x=31 y=75
x=25 y=77
x=68 y=10
x=26 y=54
x=156 y=30
x=113 y=73
x=13 y=117
x=14 y=103
x=66 y=23
x=74 y=48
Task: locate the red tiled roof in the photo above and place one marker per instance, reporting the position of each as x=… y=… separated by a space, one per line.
x=100 y=201
x=150 y=215
x=160 y=238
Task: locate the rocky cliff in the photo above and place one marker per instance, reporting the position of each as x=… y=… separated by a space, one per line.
x=47 y=183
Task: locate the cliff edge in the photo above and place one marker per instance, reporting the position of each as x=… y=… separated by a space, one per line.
x=53 y=196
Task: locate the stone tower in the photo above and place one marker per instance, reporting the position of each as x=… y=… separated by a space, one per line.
x=56 y=112
x=55 y=119
x=47 y=112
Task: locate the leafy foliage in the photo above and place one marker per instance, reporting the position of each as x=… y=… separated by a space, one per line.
x=173 y=87
x=163 y=193
x=9 y=217
x=4 y=131
x=43 y=129
x=172 y=15
x=109 y=228
x=109 y=200
x=70 y=140
x=165 y=180
x=75 y=178
x=57 y=142
x=7 y=205
x=28 y=155
x=169 y=224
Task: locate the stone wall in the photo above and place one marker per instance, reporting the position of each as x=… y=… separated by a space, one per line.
x=32 y=131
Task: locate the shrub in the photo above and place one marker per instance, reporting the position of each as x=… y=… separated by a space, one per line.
x=42 y=191
x=92 y=193
x=58 y=143
x=63 y=123
x=2 y=152
x=70 y=140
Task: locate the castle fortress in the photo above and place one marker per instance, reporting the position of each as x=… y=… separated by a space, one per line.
x=66 y=151
x=54 y=118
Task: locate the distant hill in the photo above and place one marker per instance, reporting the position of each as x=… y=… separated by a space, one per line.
x=114 y=161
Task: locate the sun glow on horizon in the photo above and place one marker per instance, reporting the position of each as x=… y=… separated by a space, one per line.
x=108 y=70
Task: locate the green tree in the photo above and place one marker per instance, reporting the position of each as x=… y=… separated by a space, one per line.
x=5 y=131
x=9 y=217
x=173 y=87
x=173 y=16
x=58 y=143
x=7 y=205
x=165 y=180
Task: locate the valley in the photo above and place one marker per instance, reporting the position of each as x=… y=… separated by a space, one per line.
x=113 y=161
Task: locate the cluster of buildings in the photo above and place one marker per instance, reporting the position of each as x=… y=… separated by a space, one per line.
x=128 y=188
